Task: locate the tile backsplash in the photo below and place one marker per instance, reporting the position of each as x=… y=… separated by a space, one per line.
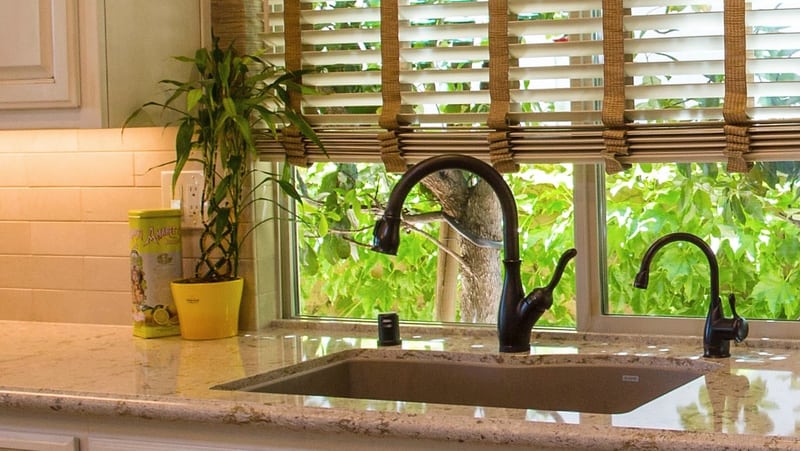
x=64 y=201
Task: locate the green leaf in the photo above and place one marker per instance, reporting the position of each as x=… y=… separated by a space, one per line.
x=288 y=188
x=788 y=249
x=183 y=149
x=310 y=261
x=775 y=291
x=221 y=191
x=322 y=228
x=192 y=98
x=738 y=209
x=222 y=223
x=342 y=248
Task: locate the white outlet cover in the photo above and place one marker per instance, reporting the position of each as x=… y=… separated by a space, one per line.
x=179 y=199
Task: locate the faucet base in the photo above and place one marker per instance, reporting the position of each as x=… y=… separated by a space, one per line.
x=515 y=348
x=717 y=350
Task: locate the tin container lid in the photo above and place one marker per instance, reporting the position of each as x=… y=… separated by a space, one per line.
x=155 y=213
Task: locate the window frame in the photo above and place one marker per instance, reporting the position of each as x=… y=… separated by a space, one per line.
x=591 y=291
x=277 y=295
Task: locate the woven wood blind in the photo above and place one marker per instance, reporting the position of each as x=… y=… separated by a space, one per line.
x=510 y=81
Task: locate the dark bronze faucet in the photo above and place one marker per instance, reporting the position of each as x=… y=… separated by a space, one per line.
x=719 y=331
x=517 y=312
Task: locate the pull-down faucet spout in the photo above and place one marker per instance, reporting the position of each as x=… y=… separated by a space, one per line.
x=718 y=330
x=517 y=312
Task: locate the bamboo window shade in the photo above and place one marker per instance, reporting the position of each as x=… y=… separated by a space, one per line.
x=513 y=81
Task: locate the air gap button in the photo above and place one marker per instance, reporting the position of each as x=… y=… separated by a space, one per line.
x=388 y=329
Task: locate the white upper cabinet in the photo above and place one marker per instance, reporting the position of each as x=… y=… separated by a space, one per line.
x=39 y=54
x=90 y=63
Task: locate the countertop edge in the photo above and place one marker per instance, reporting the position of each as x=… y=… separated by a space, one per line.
x=489 y=431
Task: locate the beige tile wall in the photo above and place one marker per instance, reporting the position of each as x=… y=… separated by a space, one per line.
x=64 y=201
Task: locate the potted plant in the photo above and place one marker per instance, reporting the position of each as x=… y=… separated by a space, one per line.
x=229 y=99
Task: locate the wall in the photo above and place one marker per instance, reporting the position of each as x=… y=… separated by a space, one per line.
x=64 y=201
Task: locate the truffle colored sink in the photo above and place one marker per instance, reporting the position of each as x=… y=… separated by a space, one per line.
x=573 y=382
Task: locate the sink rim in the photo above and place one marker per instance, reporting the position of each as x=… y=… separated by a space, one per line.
x=699 y=364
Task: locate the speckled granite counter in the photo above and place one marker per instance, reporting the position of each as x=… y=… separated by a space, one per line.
x=105 y=371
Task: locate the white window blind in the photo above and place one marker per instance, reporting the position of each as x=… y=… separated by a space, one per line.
x=548 y=81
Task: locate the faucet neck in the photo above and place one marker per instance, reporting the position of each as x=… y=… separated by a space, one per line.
x=490 y=175
x=713 y=266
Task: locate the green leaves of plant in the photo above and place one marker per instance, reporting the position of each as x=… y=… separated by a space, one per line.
x=193 y=98
x=227 y=99
x=183 y=148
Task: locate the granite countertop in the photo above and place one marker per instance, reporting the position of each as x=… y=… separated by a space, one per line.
x=104 y=370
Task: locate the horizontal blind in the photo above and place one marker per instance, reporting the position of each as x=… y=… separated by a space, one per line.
x=692 y=142
x=674 y=71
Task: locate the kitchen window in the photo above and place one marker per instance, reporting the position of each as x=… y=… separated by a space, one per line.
x=628 y=95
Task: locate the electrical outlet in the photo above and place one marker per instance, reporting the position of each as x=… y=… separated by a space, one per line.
x=187 y=197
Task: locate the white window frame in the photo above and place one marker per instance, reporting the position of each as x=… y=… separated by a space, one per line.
x=277 y=277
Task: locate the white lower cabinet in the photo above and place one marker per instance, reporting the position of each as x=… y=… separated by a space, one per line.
x=37 y=441
x=121 y=444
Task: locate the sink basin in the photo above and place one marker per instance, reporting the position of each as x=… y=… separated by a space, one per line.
x=584 y=383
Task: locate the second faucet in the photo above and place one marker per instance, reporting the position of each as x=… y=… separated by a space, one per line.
x=719 y=331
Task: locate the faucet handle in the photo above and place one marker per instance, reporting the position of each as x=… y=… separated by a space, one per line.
x=739 y=327
x=541 y=298
x=560 y=267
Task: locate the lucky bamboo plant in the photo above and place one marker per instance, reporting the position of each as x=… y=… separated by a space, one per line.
x=230 y=98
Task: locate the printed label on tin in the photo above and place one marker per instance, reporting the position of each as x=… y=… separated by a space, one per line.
x=155 y=262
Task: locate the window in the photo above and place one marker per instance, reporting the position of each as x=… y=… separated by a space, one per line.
x=747 y=219
x=341 y=277
x=588 y=84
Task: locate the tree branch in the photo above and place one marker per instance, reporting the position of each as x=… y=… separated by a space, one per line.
x=408 y=225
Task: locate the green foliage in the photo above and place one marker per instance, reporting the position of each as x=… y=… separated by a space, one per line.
x=749 y=220
x=746 y=218
x=340 y=276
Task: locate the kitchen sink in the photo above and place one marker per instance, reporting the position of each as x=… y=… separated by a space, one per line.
x=595 y=383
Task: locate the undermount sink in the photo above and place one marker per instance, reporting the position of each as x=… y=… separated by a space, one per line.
x=567 y=382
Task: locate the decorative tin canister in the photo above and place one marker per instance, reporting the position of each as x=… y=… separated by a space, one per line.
x=155 y=262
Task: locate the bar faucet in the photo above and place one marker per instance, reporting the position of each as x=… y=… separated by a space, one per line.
x=517 y=312
x=719 y=331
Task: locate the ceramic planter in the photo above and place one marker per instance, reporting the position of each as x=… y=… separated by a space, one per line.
x=208 y=310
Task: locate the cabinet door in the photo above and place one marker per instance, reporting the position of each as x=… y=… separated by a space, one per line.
x=143 y=37
x=120 y=444
x=39 y=66
x=37 y=441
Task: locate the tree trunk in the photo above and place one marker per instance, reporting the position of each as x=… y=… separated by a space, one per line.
x=475 y=207
x=447 y=270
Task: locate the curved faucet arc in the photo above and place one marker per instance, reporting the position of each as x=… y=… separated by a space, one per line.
x=427 y=167
x=718 y=330
x=517 y=312
x=643 y=276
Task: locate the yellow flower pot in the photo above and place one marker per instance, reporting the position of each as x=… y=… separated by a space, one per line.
x=208 y=310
